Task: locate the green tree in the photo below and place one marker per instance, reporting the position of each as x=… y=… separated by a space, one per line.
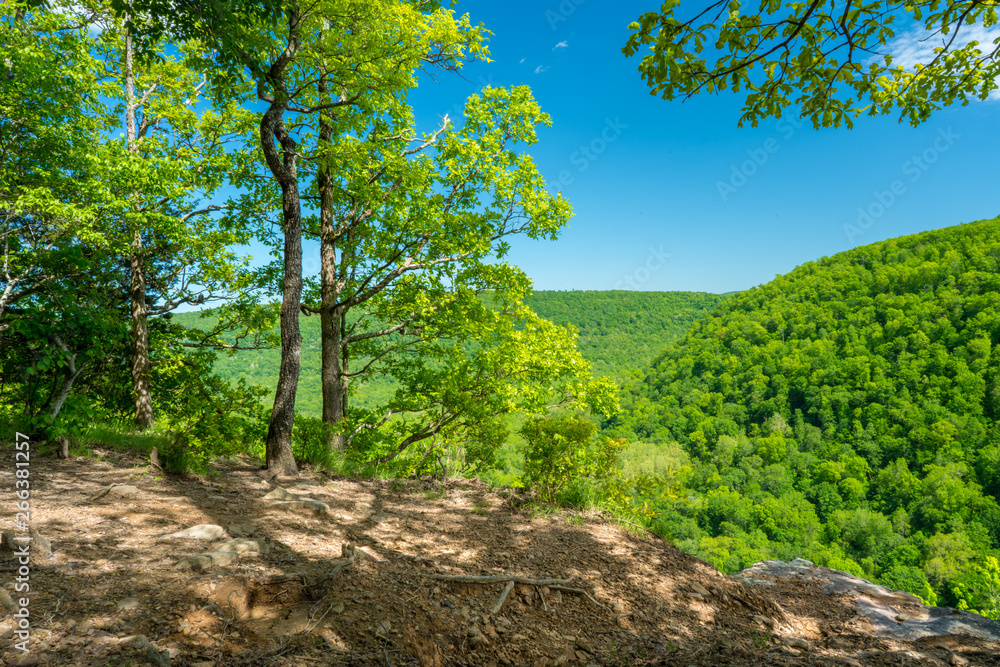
x=50 y=120
x=321 y=71
x=979 y=590
x=178 y=152
x=413 y=246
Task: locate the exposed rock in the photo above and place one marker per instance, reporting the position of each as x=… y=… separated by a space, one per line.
x=892 y=614
x=314 y=506
x=203 y=531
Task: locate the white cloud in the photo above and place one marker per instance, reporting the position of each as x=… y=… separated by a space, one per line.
x=561 y=45
x=917 y=46
x=540 y=69
x=522 y=61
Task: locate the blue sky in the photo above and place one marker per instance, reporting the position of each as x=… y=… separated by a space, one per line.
x=657 y=203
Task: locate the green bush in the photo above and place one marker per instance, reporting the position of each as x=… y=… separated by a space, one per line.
x=310 y=443
x=205 y=416
x=562 y=450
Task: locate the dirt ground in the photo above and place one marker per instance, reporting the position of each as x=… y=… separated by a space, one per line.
x=632 y=599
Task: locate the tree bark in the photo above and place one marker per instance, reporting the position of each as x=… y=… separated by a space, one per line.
x=139 y=309
x=283 y=165
x=140 y=339
x=280 y=459
x=330 y=316
x=72 y=373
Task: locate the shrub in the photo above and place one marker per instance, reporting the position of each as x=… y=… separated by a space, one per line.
x=561 y=450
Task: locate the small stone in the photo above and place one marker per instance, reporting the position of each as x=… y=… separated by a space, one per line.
x=157 y=657
x=135 y=641
x=7 y=542
x=956 y=660
x=382 y=629
x=40 y=546
x=128 y=604
x=796 y=643
x=583 y=645
x=838 y=643
x=242 y=529
x=280 y=494
x=203 y=531
x=473 y=631
x=840 y=661
x=699 y=589
x=7 y=602
x=123 y=491
x=616 y=606
x=764 y=620
x=242 y=545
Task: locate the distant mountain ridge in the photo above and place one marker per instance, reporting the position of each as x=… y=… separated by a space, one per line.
x=620 y=331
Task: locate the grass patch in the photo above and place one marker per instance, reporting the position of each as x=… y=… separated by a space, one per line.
x=118 y=438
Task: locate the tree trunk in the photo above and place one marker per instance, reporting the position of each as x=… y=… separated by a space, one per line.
x=72 y=373
x=140 y=339
x=278 y=451
x=330 y=317
x=345 y=364
x=139 y=311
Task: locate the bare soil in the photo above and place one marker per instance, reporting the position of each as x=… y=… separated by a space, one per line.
x=636 y=600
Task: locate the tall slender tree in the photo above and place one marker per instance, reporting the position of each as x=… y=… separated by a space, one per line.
x=324 y=65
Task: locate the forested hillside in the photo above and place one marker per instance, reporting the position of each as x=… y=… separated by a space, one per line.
x=619 y=332
x=846 y=413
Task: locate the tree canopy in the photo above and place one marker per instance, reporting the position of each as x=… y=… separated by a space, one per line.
x=834 y=59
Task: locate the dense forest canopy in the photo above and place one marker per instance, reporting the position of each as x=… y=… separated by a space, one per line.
x=846 y=412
